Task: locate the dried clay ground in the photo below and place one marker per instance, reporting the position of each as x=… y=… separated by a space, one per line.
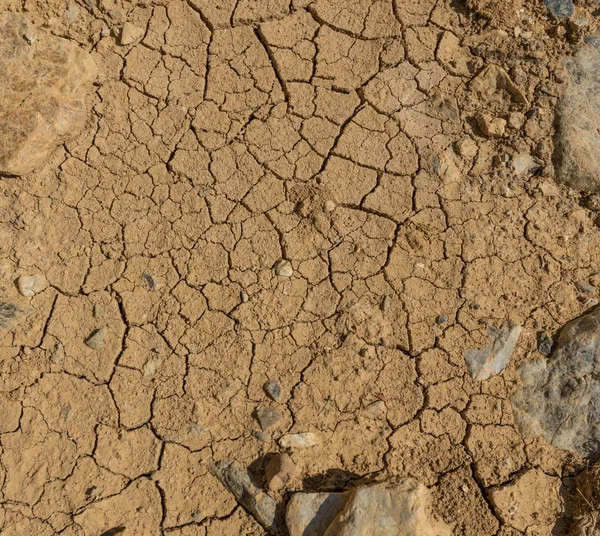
x=339 y=135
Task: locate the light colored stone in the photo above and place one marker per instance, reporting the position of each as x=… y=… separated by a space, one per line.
x=577 y=142
x=96 y=340
x=523 y=163
x=329 y=205
x=493 y=127
x=392 y=508
x=494 y=84
x=376 y=411
x=47 y=106
x=284 y=268
x=130 y=34
x=485 y=362
x=560 y=396
x=303 y=440
x=30 y=285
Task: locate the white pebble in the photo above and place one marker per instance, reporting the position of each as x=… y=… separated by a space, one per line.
x=29 y=285
x=304 y=440
x=329 y=206
x=284 y=268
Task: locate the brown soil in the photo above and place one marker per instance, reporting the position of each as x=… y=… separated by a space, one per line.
x=350 y=138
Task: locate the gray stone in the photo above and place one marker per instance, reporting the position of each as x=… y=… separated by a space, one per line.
x=13 y=309
x=560 y=8
x=544 y=343
x=273 y=390
x=44 y=105
x=398 y=506
x=266 y=417
x=577 y=143
x=560 y=397
x=96 y=340
x=255 y=501
x=485 y=362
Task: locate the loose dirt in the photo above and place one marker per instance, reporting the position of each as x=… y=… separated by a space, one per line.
x=339 y=196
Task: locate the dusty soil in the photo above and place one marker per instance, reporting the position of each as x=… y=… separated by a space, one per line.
x=352 y=139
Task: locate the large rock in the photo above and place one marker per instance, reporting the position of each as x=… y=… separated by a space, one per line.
x=577 y=143
x=560 y=396
x=44 y=81
x=398 y=506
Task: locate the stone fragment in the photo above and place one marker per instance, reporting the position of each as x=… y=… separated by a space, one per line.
x=13 y=309
x=523 y=163
x=44 y=106
x=273 y=390
x=560 y=396
x=309 y=514
x=485 y=362
x=376 y=410
x=329 y=205
x=284 y=268
x=577 y=142
x=254 y=500
x=544 y=343
x=494 y=84
x=279 y=471
x=560 y=8
x=130 y=34
x=398 y=506
x=492 y=127
x=96 y=340
x=303 y=440
x=29 y=285
x=266 y=417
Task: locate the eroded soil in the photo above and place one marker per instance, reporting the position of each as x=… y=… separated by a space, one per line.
x=351 y=138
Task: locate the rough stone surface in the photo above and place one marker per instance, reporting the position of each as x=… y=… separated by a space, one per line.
x=400 y=506
x=13 y=309
x=560 y=8
x=577 y=143
x=29 y=285
x=303 y=440
x=273 y=390
x=44 y=105
x=560 y=396
x=485 y=362
x=279 y=471
x=253 y=499
x=266 y=417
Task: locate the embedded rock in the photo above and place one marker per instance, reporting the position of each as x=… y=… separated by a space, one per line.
x=44 y=83
x=13 y=309
x=577 y=143
x=485 y=362
x=560 y=397
x=398 y=506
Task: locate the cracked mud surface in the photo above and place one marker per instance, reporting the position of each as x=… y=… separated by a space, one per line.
x=350 y=138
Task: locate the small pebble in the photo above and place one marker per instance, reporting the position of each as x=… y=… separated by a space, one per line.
x=442 y=319
x=266 y=417
x=273 y=390
x=385 y=303
x=279 y=471
x=544 y=343
x=244 y=296
x=284 y=268
x=29 y=285
x=96 y=340
x=584 y=286
x=303 y=440
x=261 y=436
x=329 y=206
x=376 y=411
x=98 y=312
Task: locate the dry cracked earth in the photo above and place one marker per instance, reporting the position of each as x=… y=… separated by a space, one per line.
x=338 y=195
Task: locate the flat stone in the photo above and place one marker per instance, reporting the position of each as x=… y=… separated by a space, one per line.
x=494 y=84
x=255 y=501
x=13 y=309
x=266 y=417
x=30 y=285
x=485 y=362
x=273 y=390
x=130 y=34
x=398 y=506
x=560 y=8
x=560 y=397
x=523 y=163
x=577 y=142
x=43 y=106
x=279 y=471
x=96 y=340
x=303 y=440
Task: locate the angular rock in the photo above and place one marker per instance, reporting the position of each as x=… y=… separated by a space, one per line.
x=284 y=268
x=492 y=127
x=560 y=8
x=273 y=390
x=43 y=106
x=279 y=471
x=13 y=309
x=130 y=34
x=96 y=340
x=494 y=84
x=266 y=417
x=485 y=362
x=577 y=142
x=560 y=396
x=255 y=501
x=399 y=506
x=303 y=440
